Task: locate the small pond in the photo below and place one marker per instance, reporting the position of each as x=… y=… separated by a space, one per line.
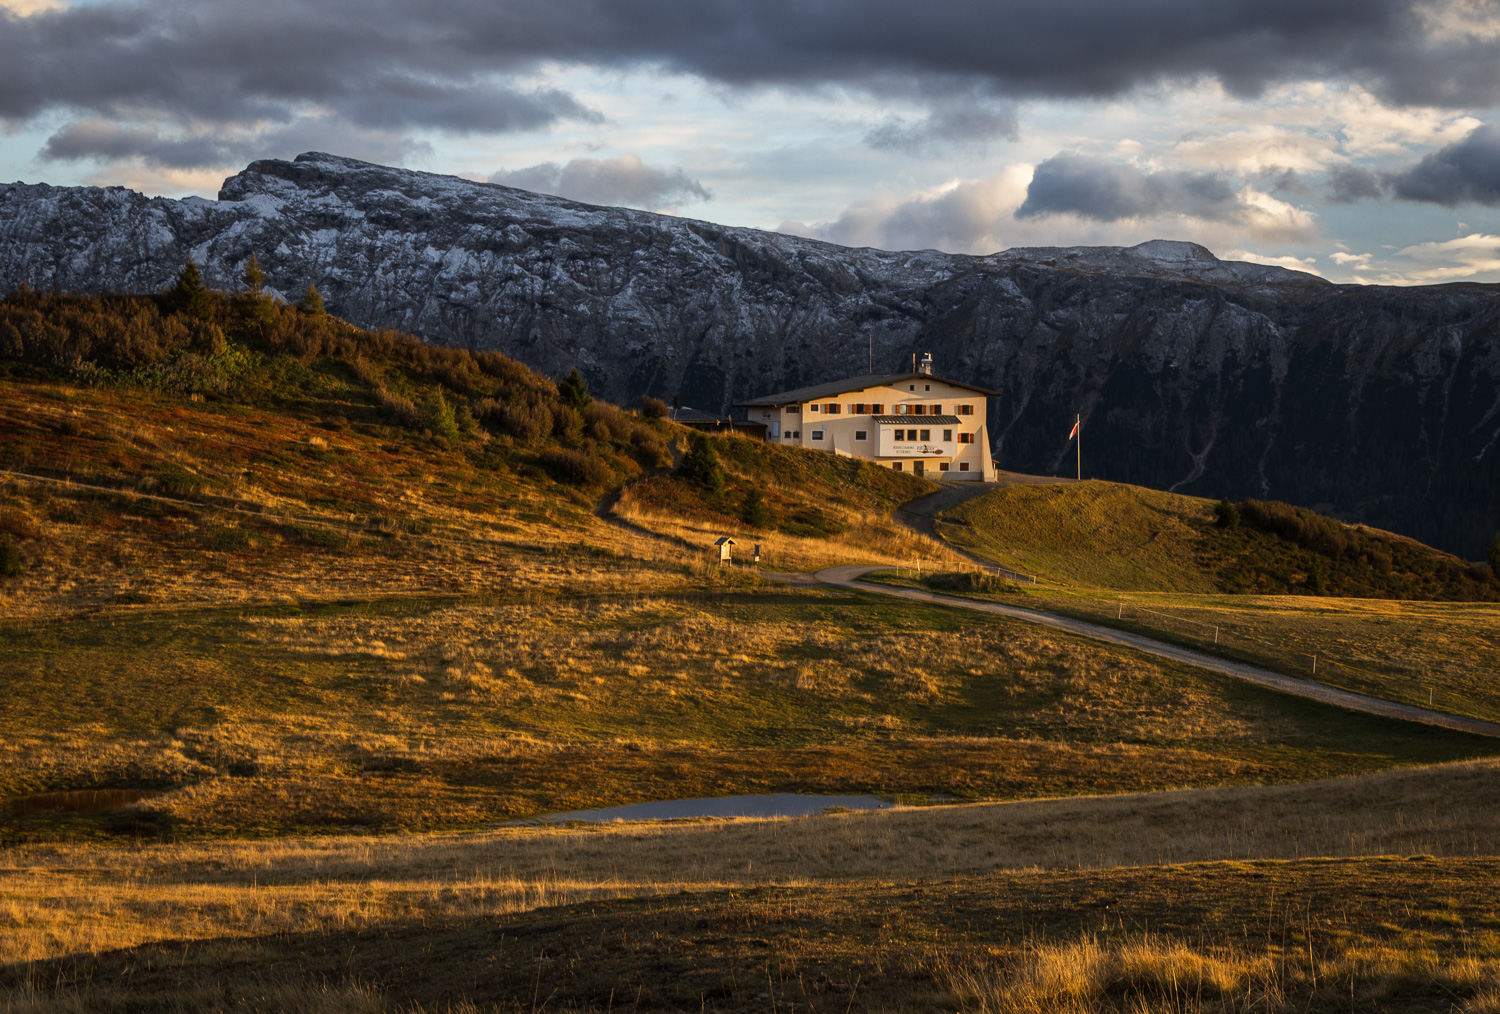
x=79 y=801
x=781 y=804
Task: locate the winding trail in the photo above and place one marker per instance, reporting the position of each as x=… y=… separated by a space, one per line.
x=920 y=515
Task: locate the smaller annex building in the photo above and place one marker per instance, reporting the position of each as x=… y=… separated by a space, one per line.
x=912 y=422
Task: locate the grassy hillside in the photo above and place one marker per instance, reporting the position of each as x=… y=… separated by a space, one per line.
x=805 y=495
x=304 y=613
x=290 y=607
x=1127 y=538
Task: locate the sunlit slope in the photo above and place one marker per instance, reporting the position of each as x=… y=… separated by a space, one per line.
x=1128 y=538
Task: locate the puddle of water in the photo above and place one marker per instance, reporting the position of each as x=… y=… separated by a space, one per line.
x=79 y=801
x=782 y=804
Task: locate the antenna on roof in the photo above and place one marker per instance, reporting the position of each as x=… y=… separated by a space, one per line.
x=871 y=368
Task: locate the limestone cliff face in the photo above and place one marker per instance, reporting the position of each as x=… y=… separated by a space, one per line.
x=1211 y=377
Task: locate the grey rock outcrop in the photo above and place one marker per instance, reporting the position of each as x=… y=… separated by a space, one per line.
x=1207 y=376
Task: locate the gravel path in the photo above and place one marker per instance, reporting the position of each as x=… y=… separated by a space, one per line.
x=848 y=577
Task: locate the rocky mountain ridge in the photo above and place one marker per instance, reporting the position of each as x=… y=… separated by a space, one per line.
x=1191 y=373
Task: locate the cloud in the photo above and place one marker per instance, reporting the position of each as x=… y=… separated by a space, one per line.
x=1108 y=190
x=26 y=8
x=1463 y=172
x=1348 y=184
x=1467 y=257
x=951 y=119
x=1073 y=185
x=1305 y=264
x=1345 y=259
x=460 y=65
x=966 y=216
x=107 y=141
x=625 y=181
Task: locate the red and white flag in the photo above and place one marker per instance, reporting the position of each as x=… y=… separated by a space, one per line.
x=1074 y=432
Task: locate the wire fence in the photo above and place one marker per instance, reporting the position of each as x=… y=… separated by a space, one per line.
x=1224 y=633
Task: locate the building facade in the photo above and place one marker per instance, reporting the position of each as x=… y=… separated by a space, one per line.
x=913 y=422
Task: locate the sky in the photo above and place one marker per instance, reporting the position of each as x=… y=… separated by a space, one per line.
x=1356 y=139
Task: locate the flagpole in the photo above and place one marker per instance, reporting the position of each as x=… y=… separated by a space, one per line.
x=1078 y=425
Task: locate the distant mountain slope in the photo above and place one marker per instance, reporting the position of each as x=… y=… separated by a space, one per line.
x=1206 y=376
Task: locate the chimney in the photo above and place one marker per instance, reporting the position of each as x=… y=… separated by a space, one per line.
x=927 y=363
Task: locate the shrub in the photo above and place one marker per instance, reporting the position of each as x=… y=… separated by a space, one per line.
x=398 y=407
x=567 y=424
x=653 y=408
x=1226 y=514
x=1495 y=558
x=650 y=449
x=700 y=466
x=1303 y=527
x=526 y=418
x=10 y=559
x=575 y=468
x=601 y=422
x=966 y=582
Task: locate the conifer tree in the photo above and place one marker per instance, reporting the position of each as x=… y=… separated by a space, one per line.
x=189 y=296
x=311 y=302
x=10 y=559
x=755 y=512
x=574 y=391
x=700 y=466
x=253 y=277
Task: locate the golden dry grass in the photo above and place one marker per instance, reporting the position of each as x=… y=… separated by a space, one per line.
x=424 y=715
x=1440 y=654
x=61 y=899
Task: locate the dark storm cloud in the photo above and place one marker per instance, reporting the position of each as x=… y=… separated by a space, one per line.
x=106 y=141
x=1466 y=171
x=623 y=181
x=1108 y=191
x=451 y=63
x=947 y=124
x=1348 y=184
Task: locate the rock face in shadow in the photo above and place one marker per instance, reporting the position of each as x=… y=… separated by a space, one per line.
x=1204 y=376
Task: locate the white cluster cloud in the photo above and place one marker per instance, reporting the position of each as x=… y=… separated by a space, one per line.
x=625 y=181
x=962 y=216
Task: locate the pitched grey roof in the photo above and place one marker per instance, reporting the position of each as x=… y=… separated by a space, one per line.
x=922 y=420
x=802 y=394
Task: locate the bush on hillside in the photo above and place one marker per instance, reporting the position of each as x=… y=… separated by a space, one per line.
x=1314 y=531
x=10 y=559
x=575 y=468
x=653 y=408
x=1226 y=514
x=967 y=582
x=1495 y=558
